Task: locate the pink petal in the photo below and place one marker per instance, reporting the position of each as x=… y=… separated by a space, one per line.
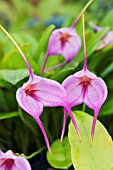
x=96 y=94
x=51 y=93
x=95 y=27
x=87 y=73
x=54 y=45
x=74 y=90
x=96 y=111
x=8 y=155
x=28 y=103
x=108 y=38
x=21 y=164
x=44 y=134
x=71 y=48
x=63 y=127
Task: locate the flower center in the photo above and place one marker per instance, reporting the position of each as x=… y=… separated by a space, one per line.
x=30 y=89
x=85 y=80
x=64 y=37
x=8 y=162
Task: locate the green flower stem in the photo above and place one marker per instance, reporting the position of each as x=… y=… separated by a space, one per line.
x=84 y=107
x=21 y=115
x=33 y=154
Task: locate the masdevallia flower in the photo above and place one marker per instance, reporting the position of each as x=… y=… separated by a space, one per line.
x=107 y=39
x=9 y=161
x=86 y=87
x=38 y=92
x=64 y=41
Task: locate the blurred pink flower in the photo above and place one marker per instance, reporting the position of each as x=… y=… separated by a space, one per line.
x=86 y=87
x=107 y=39
x=9 y=161
x=64 y=41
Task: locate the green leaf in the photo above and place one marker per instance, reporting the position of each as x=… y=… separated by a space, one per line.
x=13 y=76
x=107 y=70
x=42 y=45
x=93 y=41
x=33 y=154
x=99 y=156
x=61 y=155
x=107 y=108
x=13 y=60
x=64 y=72
x=8 y=115
x=107 y=19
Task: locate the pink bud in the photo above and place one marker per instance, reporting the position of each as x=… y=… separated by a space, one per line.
x=9 y=161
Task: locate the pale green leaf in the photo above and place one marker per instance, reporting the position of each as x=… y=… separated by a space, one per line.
x=42 y=45
x=8 y=115
x=99 y=156
x=13 y=76
x=61 y=154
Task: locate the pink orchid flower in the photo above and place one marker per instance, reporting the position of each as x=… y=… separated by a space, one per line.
x=39 y=92
x=86 y=87
x=9 y=161
x=107 y=39
x=64 y=41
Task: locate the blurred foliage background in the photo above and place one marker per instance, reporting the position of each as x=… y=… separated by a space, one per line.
x=30 y=22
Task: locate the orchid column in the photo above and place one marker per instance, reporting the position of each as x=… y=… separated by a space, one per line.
x=64 y=41
x=86 y=87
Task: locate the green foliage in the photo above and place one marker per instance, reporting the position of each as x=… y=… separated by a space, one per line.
x=13 y=76
x=61 y=154
x=42 y=45
x=99 y=156
x=8 y=115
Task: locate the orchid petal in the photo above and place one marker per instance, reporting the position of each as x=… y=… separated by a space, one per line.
x=87 y=73
x=95 y=27
x=44 y=134
x=21 y=163
x=71 y=48
x=96 y=94
x=9 y=155
x=64 y=126
x=96 y=111
x=28 y=103
x=74 y=90
x=54 y=45
x=51 y=93
x=107 y=39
